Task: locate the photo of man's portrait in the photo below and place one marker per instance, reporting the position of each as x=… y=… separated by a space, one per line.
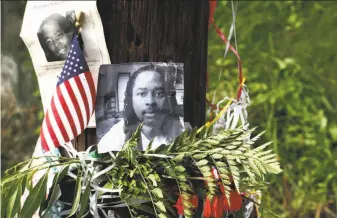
x=134 y=94
x=55 y=34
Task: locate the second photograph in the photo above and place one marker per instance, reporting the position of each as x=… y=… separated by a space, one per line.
x=135 y=93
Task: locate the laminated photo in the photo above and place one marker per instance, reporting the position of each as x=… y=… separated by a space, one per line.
x=135 y=93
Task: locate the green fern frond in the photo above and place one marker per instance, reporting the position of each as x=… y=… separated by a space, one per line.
x=145 y=175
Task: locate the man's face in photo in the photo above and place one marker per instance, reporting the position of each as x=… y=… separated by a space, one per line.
x=149 y=98
x=56 y=39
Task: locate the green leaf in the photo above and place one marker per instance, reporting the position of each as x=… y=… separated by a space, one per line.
x=226 y=181
x=199 y=156
x=250 y=174
x=161 y=215
x=18 y=167
x=209 y=131
x=225 y=152
x=274 y=168
x=152 y=177
x=132 y=172
x=216 y=150
x=187 y=204
x=181 y=178
x=263 y=154
x=175 y=144
x=180 y=169
x=252 y=166
x=261 y=147
x=157 y=192
x=268 y=157
x=29 y=180
x=201 y=162
x=202 y=131
x=84 y=200
x=212 y=142
x=207 y=173
x=184 y=187
x=13 y=204
x=257 y=136
x=223 y=170
x=234 y=168
x=230 y=157
x=231 y=147
x=205 y=169
x=136 y=134
x=149 y=147
x=160 y=205
x=23 y=182
x=179 y=157
x=35 y=197
x=193 y=134
x=220 y=164
x=217 y=156
x=77 y=196
x=261 y=167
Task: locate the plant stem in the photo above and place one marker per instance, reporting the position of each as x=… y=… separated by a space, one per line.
x=175 y=176
x=20 y=174
x=148 y=191
x=127 y=205
x=223 y=183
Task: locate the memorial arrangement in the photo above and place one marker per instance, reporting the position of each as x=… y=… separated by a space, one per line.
x=148 y=162
x=217 y=167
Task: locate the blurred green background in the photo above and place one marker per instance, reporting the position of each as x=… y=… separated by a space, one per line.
x=288 y=53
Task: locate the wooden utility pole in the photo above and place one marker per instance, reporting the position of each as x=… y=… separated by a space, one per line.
x=162 y=31
x=159 y=31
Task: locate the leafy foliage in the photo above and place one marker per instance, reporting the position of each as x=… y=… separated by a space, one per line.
x=287 y=49
x=21 y=107
x=19 y=178
x=148 y=175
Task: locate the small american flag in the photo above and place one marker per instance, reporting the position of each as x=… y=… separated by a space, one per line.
x=72 y=104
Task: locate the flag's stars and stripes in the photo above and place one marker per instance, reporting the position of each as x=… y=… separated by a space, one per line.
x=72 y=104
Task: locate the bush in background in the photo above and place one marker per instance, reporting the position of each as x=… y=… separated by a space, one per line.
x=288 y=54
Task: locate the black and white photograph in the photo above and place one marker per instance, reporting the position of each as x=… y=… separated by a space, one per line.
x=135 y=93
x=55 y=34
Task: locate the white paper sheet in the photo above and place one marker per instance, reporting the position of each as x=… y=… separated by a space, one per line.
x=51 y=19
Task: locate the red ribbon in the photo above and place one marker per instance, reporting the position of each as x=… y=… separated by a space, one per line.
x=212 y=6
x=224 y=39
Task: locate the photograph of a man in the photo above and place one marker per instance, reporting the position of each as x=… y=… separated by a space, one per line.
x=55 y=34
x=149 y=99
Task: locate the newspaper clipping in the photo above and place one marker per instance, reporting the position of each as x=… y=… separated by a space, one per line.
x=47 y=30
